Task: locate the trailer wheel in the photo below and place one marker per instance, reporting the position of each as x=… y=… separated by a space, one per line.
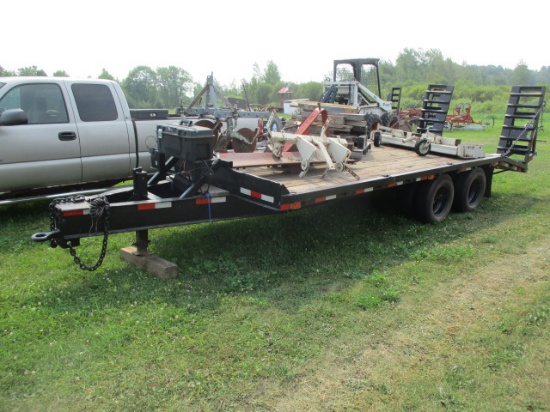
x=377 y=140
x=469 y=190
x=435 y=199
x=488 y=121
x=422 y=147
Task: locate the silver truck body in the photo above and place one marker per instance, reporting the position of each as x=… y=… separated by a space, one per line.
x=77 y=131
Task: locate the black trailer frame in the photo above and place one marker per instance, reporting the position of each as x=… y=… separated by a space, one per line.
x=240 y=185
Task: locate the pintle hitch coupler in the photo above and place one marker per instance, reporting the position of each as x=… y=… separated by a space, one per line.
x=55 y=240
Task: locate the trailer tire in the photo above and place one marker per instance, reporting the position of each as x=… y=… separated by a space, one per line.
x=469 y=190
x=435 y=199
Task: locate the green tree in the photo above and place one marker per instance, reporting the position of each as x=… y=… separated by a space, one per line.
x=521 y=75
x=263 y=94
x=407 y=65
x=105 y=75
x=173 y=84
x=140 y=87
x=310 y=90
x=6 y=73
x=544 y=75
x=271 y=74
x=30 y=71
x=60 y=73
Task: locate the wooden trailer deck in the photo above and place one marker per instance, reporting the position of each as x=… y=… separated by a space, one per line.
x=380 y=163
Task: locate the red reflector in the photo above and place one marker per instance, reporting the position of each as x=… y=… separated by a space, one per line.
x=69 y=213
x=146 y=206
x=202 y=201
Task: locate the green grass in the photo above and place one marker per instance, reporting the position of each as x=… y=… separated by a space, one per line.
x=340 y=307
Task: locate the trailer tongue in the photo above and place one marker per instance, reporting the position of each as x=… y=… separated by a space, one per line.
x=192 y=186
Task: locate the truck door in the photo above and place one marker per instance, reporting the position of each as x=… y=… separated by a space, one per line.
x=46 y=151
x=103 y=131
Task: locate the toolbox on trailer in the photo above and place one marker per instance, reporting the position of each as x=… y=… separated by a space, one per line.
x=149 y=114
x=186 y=143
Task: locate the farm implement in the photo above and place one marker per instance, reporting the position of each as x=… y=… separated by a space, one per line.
x=462 y=118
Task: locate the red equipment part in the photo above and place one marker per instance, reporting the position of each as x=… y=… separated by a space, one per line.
x=304 y=127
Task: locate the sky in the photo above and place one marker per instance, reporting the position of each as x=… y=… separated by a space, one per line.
x=227 y=38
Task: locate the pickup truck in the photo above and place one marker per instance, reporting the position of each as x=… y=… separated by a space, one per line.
x=60 y=135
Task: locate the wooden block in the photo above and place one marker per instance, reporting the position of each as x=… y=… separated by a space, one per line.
x=150 y=263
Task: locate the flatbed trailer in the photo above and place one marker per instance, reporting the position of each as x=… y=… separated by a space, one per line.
x=240 y=185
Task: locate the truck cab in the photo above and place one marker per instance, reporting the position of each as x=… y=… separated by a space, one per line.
x=61 y=131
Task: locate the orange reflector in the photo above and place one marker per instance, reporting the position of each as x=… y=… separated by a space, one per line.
x=291 y=206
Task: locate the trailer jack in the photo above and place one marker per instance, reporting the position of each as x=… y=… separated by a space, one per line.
x=138 y=255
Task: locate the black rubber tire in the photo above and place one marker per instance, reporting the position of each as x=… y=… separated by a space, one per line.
x=390 y=120
x=435 y=199
x=469 y=190
x=373 y=121
x=422 y=147
x=377 y=140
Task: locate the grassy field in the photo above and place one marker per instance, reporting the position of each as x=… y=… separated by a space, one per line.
x=340 y=307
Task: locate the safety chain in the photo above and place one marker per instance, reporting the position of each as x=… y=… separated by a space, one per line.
x=99 y=209
x=524 y=131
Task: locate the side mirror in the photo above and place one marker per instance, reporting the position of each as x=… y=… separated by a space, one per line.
x=13 y=117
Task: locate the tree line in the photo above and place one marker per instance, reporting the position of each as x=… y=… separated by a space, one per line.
x=172 y=87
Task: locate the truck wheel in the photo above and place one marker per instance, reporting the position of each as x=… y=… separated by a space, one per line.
x=435 y=199
x=469 y=190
